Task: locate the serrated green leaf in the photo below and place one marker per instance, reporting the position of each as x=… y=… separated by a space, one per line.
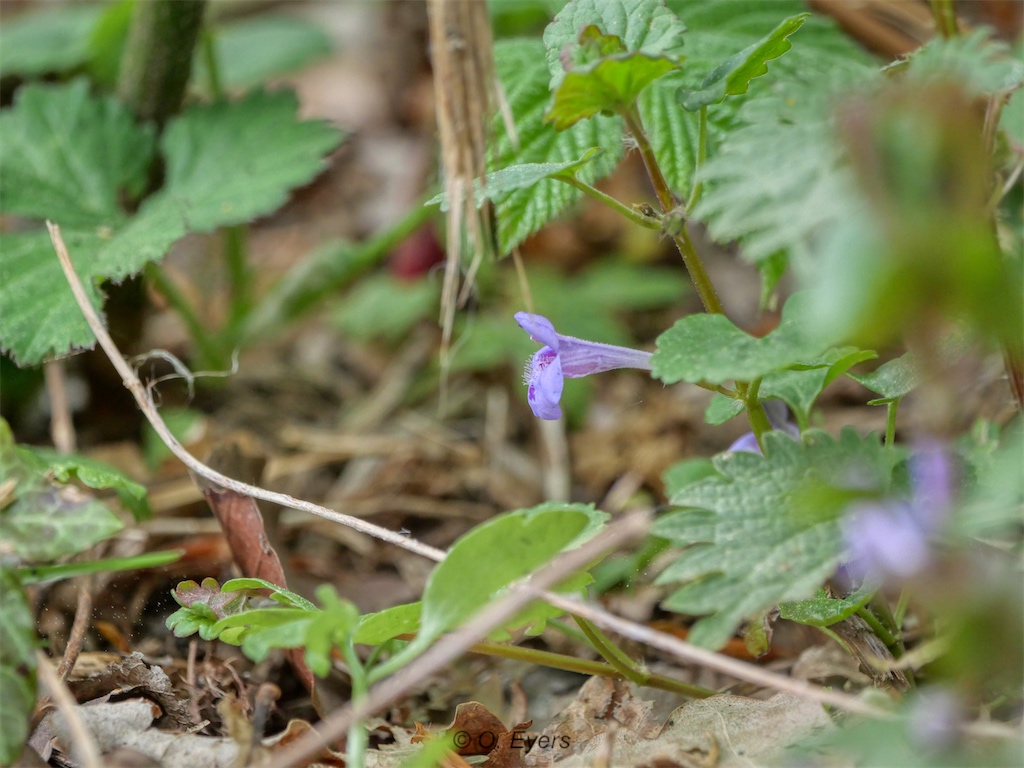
x=901 y=376
x=685 y=473
x=710 y=348
x=47 y=40
x=67 y=155
x=524 y=77
x=18 y=643
x=979 y=61
x=824 y=611
x=732 y=77
x=250 y=51
x=674 y=133
x=38 y=314
x=98 y=476
x=643 y=26
x=609 y=87
x=753 y=539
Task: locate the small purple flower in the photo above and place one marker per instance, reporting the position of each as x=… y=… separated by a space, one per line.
x=778 y=415
x=566 y=356
x=891 y=538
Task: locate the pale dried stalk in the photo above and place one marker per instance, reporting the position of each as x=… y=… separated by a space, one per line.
x=449 y=648
x=85 y=748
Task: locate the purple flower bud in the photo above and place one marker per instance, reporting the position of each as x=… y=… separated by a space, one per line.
x=566 y=356
x=778 y=415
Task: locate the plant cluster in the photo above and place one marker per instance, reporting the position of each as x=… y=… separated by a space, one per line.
x=891 y=193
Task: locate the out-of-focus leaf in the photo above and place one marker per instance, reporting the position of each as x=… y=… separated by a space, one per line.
x=382 y=308
x=47 y=40
x=18 y=642
x=42 y=574
x=95 y=475
x=824 y=611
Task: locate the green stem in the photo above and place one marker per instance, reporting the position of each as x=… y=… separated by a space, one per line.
x=358 y=738
x=239 y=277
x=611 y=652
x=890 y=423
x=945 y=17
x=694 y=265
x=635 y=216
x=214 y=82
x=586 y=667
x=756 y=414
x=877 y=627
x=210 y=353
x=702 y=155
x=157 y=59
x=901 y=609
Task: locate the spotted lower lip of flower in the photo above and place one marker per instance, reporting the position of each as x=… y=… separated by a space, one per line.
x=564 y=357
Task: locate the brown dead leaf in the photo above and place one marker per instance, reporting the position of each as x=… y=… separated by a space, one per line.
x=296 y=730
x=477 y=727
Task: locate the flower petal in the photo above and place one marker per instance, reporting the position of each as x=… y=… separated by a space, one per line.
x=545 y=384
x=539 y=328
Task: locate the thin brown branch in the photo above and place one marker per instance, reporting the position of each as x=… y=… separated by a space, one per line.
x=83 y=617
x=62 y=428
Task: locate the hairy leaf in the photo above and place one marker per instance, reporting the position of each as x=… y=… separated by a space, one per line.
x=643 y=26
x=824 y=611
x=53 y=39
x=732 y=77
x=756 y=534
x=980 y=62
x=710 y=348
x=524 y=77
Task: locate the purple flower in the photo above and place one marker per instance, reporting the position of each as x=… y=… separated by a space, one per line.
x=891 y=538
x=566 y=356
x=778 y=415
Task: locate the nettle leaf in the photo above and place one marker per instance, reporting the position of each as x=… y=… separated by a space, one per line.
x=607 y=87
x=710 y=348
x=48 y=40
x=642 y=26
x=732 y=77
x=756 y=533
x=674 y=133
x=18 y=643
x=524 y=76
x=67 y=155
x=72 y=158
x=824 y=611
x=250 y=51
x=982 y=63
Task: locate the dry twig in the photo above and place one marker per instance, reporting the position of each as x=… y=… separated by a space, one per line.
x=84 y=747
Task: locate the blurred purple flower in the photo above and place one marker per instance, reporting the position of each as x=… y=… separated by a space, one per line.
x=566 y=356
x=891 y=538
x=935 y=719
x=778 y=415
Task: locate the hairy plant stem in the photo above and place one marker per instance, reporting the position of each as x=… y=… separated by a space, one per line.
x=698 y=274
x=210 y=353
x=945 y=17
x=611 y=202
x=157 y=59
x=702 y=155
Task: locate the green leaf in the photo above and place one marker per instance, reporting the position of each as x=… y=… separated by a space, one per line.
x=524 y=76
x=47 y=40
x=202 y=606
x=522 y=176
x=383 y=308
x=642 y=26
x=687 y=472
x=18 y=643
x=39 y=317
x=67 y=156
x=800 y=388
x=330 y=628
x=710 y=348
x=899 y=377
x=46 y=521
x=378 y=628
x=979 y=61
x=280 y=594
x=43 y=574
x=251 y=51
x=483 y=562
x=824 y=611
x=96 y=475
x=757 y=533
x=609 y=87
x=674 y=133
x=732 y=77
x=721 y=409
